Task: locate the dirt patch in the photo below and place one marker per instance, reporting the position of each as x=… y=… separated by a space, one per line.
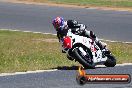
x=73 y=6
x=45 y=40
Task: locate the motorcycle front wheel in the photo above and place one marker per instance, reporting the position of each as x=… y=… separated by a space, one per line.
x=86 y=60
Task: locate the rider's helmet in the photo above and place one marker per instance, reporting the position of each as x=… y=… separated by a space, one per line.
x=58 y=22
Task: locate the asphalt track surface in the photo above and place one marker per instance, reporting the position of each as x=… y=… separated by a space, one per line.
x=62 y=79
x=112 y=25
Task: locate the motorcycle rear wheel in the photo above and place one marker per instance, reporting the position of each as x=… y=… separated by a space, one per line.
x=111 y=61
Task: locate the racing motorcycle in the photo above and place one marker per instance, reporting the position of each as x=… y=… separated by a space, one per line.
x=86 y=51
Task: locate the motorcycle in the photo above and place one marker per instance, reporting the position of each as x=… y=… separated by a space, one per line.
x=86 y=51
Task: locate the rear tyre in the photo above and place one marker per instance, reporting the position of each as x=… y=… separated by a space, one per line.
x=111 y=61
x=84 y=60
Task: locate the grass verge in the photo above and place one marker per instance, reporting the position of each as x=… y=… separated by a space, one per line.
x=20 y=51
x=107 y=3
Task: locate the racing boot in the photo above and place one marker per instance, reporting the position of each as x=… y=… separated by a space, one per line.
x=100 y=44
x=89 y=34
x=102 y=47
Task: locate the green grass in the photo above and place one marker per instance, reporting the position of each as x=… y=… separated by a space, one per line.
x=122 y=51
x=21 y=51
x=108 y=3
x=117 y=3
x=27 y=51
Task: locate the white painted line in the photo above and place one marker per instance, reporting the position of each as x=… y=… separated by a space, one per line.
x=114 y=41
x=28 y=31
x=56 y=34
x=124 y=64
x=41 y=71
x=108 y=9
x=91 y=8
x=28 y=72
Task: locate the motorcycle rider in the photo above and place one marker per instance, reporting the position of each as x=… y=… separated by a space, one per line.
x=77 y=28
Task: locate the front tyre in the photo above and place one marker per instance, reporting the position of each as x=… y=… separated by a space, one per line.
x=83 y=60
x=111 y=61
